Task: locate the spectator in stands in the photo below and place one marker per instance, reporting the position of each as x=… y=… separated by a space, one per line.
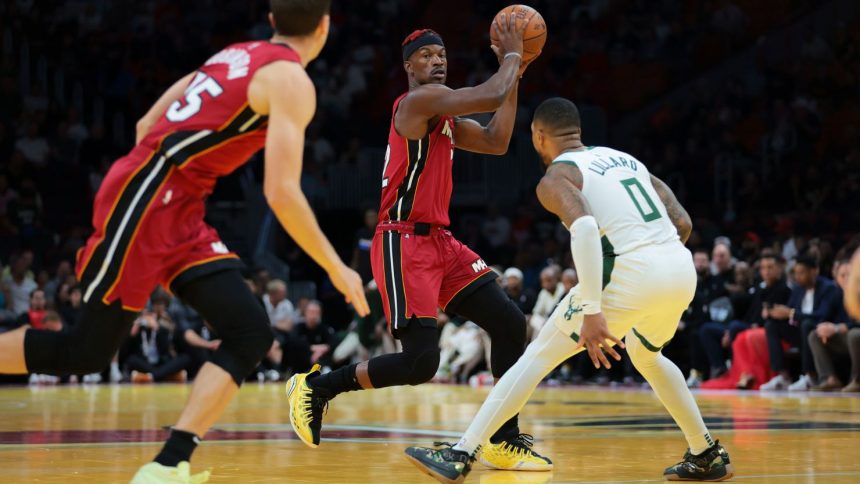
x=365 y=336
x=461 y=350
x=552 y=290
x=18 y=283
x=709 y=288
x=316 y=335
x=52 y=285
x=523 y=297
x=840 y=337
x=152 y=356
x=722 y=265
x=70 y=309
x=569 y=279
x=814 y=299
x=718 y=337
x=192 y=336
x=37 y=308
x=278 y=307
x=361 y=246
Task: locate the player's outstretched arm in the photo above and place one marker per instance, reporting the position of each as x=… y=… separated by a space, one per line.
x=284 y=91
x=559 y=192
x=679 y=217
x=494 y=138
x=171 y=95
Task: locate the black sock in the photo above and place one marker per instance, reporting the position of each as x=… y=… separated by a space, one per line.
x=337 y=381
x=179 y=447
x=508 y=431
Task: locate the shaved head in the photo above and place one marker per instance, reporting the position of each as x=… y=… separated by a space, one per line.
x=558 y=117
x=556 y=127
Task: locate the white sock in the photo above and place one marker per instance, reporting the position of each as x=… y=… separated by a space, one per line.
x=671 y=388
x=513 y=390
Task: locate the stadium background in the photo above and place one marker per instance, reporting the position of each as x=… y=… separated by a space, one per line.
x=748 y=109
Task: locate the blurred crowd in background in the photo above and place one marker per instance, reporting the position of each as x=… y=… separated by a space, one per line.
x=747 y=108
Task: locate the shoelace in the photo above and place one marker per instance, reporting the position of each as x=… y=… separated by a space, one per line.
x=522 y=444
x=321 y=404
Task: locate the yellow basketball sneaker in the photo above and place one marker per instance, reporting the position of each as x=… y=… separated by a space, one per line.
x=155 y=473
x=514 y=455
x=306 y=407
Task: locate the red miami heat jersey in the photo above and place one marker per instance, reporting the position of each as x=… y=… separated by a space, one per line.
x=211 y=130
x=148 y=212
x=416 y=179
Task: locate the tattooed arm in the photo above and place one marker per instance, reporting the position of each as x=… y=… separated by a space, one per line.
x=680 y=218
x=560 y=192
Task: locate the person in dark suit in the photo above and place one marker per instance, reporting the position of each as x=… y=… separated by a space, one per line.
x=813 y=299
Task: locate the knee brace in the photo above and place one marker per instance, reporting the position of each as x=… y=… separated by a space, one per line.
x=238 y=318
x=424 y=366
x=245 y=341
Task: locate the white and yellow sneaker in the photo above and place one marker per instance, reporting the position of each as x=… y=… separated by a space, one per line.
x=306 y=408
x=155 y=473
x=514 y=455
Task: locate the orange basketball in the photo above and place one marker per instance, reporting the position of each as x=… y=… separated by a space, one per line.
x=534 y=36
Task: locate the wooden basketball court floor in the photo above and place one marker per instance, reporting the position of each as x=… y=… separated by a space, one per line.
x=103 y=433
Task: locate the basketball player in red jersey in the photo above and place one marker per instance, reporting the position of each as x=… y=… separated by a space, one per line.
x=149 y=227
x=417 y=264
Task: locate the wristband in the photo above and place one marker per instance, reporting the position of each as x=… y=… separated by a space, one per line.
x=510 y=54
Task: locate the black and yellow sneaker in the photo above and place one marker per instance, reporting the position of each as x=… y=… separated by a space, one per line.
x=515 y=454
x=306 y=407
x=445 y=465
x=711 y=465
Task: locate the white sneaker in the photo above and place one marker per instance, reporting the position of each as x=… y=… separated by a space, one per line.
x=776 y=383
x=803 y=384
x=155 y=473
x=694 y=380
x=93 y=378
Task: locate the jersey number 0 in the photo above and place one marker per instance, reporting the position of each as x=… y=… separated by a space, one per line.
x=194 y=98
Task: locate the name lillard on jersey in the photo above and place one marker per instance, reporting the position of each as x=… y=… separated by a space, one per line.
x=601 y=166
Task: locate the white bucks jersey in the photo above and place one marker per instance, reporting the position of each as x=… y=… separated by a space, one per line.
x=618 y=188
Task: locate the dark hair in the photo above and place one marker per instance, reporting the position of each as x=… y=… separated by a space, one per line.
x=807 y=260
x=773 y=256
x=558 y=114
x=298 y=17
x=38 y=289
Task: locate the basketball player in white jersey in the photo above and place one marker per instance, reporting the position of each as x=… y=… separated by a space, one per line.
x=636 y=278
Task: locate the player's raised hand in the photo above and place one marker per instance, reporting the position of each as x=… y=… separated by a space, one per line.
x=348 y=282
x=510 y=35
x=596 y=338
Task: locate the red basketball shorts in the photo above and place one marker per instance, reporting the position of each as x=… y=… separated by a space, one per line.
x=417 y=274
x=149 y=230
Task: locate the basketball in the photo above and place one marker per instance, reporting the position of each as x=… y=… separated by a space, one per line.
x=534 y=36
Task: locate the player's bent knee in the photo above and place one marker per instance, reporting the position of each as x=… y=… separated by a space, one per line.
x=243 y=347
x=640 y=356
x=424 y=366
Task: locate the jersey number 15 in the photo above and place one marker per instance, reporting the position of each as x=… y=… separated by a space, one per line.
x=193 y=98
